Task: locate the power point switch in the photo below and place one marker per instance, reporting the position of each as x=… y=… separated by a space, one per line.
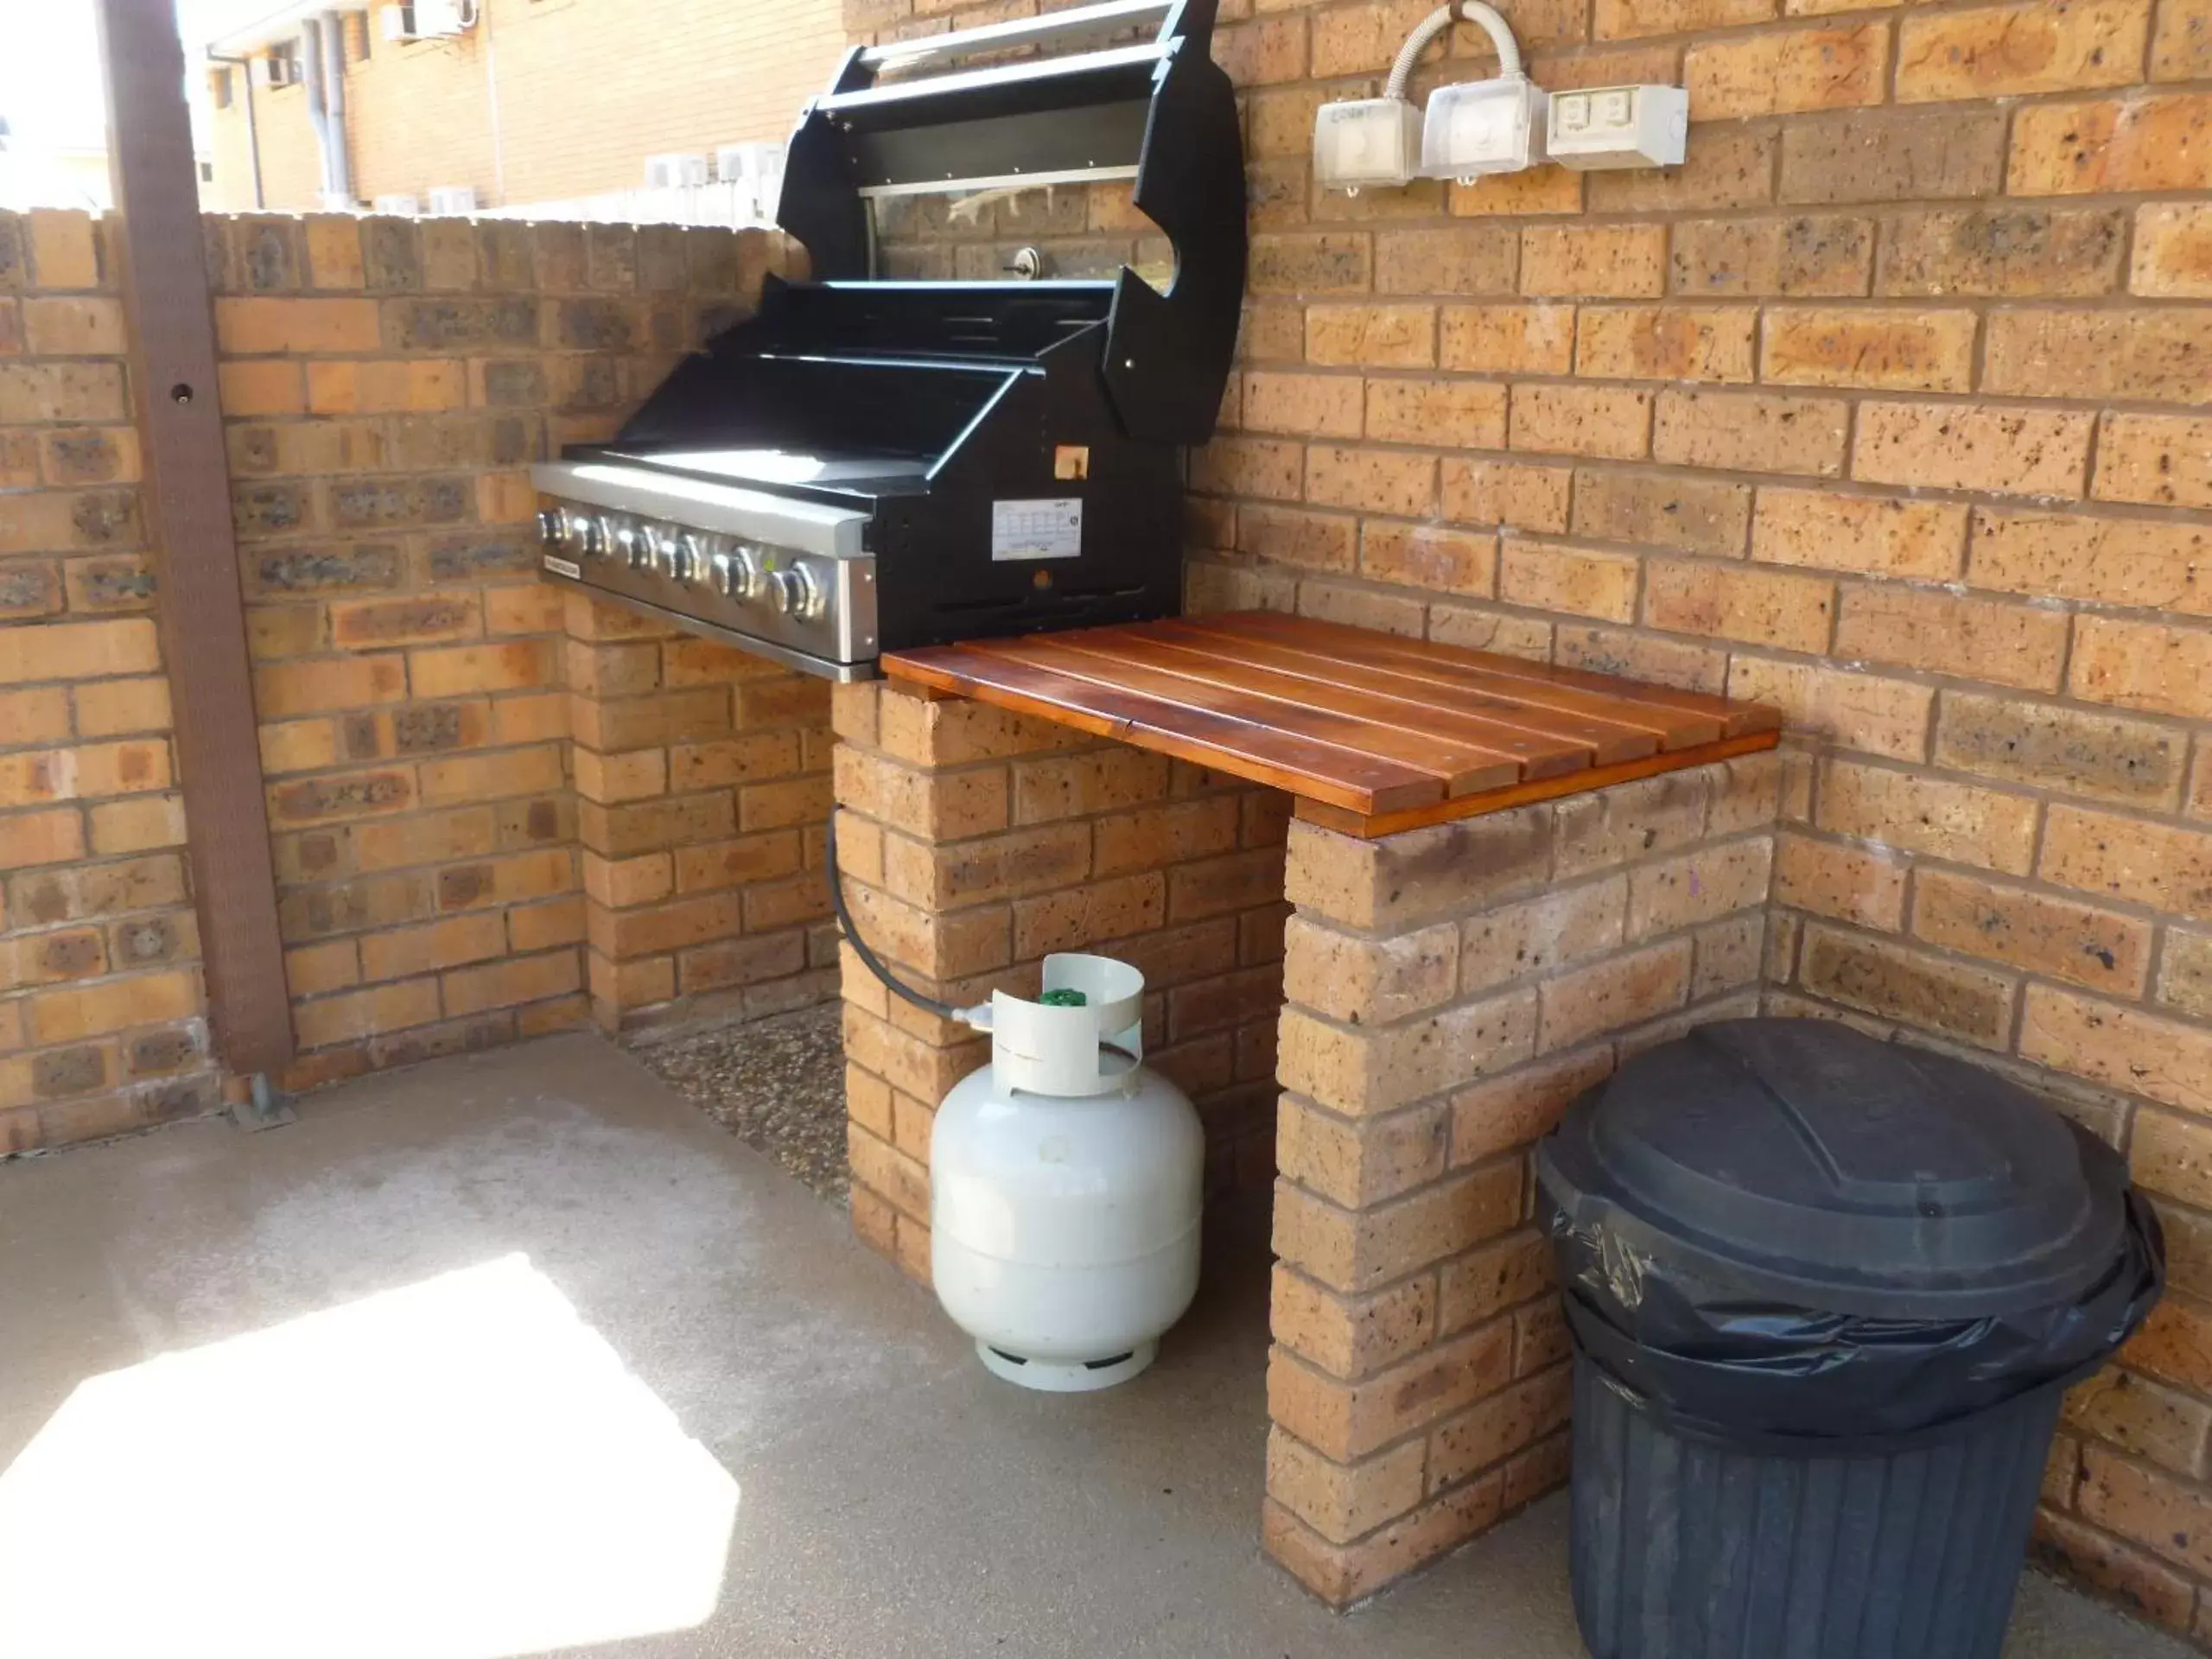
x=1605 y=127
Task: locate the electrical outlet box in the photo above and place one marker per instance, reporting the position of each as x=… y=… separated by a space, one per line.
x=1483 y=126
x=1605 y=127
x=1368 y=140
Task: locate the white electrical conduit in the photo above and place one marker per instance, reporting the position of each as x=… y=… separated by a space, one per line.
x=1437 y=22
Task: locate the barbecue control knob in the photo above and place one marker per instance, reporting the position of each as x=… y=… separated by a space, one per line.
x=798 y=593
x=737 y=573
x=634 y=542
x=684 y=557
x=553 y=528
x=585 y=535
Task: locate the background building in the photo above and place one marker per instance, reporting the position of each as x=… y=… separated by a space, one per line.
x=568 y=106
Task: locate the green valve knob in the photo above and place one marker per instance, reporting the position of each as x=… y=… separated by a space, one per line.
x=1064 y=999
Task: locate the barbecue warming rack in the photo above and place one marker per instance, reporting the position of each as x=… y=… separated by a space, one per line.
x=900 y=119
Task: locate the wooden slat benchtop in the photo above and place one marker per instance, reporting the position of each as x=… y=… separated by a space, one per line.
x=1373 y=734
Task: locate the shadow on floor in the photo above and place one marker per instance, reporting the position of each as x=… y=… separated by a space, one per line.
x=517 y=1353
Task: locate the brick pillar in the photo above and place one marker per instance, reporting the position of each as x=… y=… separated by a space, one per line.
x=702 y=781
x=1450 y=990
x=974 y=843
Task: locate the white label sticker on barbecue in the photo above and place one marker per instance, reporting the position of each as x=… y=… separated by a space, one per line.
x=564 y=567
x=1036 y=530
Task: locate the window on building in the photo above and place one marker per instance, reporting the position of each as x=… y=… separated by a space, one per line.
x=358 y=34
x=219 y=88
x=206 y=172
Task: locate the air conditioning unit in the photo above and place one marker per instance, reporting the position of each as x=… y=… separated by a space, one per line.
x=424 y=20
x=396 y=207
x=453 y=200
x=280 y=69
x=757 y=171
x=674 y=172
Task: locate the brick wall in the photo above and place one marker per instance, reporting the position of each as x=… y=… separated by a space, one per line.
x=1889 y=407
x=543 y=100
x=443 y=733
x=702 y=779
x=102 y=1015
x=1393 y=1047
x=1450 y=990
x=496 y=808
x=972 y=843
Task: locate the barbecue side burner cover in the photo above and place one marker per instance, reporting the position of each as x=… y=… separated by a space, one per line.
x=870 y=466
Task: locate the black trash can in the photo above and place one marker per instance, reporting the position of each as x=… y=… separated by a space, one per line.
x=1826 y=1294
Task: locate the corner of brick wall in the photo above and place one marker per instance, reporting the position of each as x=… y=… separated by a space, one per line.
x=1449 y=990
x=974 y=843
x=103 y=1016
x=386 y=384
x=435 y=718
x=1898 y=909
x=703 y=778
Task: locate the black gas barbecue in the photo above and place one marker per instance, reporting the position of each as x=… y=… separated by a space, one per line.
x=867 y=466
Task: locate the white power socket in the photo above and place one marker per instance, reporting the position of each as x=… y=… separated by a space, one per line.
x=1367 y=141
x=1479 y=127
x=1504 y=124
x=1606 y=127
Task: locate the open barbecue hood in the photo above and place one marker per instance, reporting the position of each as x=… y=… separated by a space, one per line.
x=865 y=466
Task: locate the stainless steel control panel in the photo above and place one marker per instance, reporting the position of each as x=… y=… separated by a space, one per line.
x=785 y=578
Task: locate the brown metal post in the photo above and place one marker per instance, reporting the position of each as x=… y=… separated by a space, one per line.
x=188 y=506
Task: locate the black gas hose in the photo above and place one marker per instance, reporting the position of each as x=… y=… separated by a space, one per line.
x=868 y=958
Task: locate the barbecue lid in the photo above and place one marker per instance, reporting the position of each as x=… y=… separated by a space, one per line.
x=1806 y=1162
x=1115 y=90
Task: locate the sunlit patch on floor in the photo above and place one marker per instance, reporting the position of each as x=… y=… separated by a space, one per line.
x=462 y=1468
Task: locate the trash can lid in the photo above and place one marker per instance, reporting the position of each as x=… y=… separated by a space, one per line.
x=1809 y=1163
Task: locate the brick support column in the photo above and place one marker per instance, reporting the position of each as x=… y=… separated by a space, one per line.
x=1450 y=990
x=974 y=843
x=702 y=781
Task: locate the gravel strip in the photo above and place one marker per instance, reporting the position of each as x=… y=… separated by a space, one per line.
x=778 y=1084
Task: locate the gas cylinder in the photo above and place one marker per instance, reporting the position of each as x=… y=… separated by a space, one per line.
x=1065 y=1186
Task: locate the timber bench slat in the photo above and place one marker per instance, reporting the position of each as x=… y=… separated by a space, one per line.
x=1606 y=740
x=1321 y=772
x=1453 y=768
x=1374 y=733
x=1682 y=718
x=1475 y=755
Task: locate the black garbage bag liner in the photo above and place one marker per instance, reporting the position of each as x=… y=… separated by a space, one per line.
x=1695 y=1350
x=1789 y=1227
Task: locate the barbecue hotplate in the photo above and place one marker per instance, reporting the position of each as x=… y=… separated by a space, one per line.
x=864 y=465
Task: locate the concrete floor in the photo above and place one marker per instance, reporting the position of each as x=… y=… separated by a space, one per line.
x=517 y=1353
